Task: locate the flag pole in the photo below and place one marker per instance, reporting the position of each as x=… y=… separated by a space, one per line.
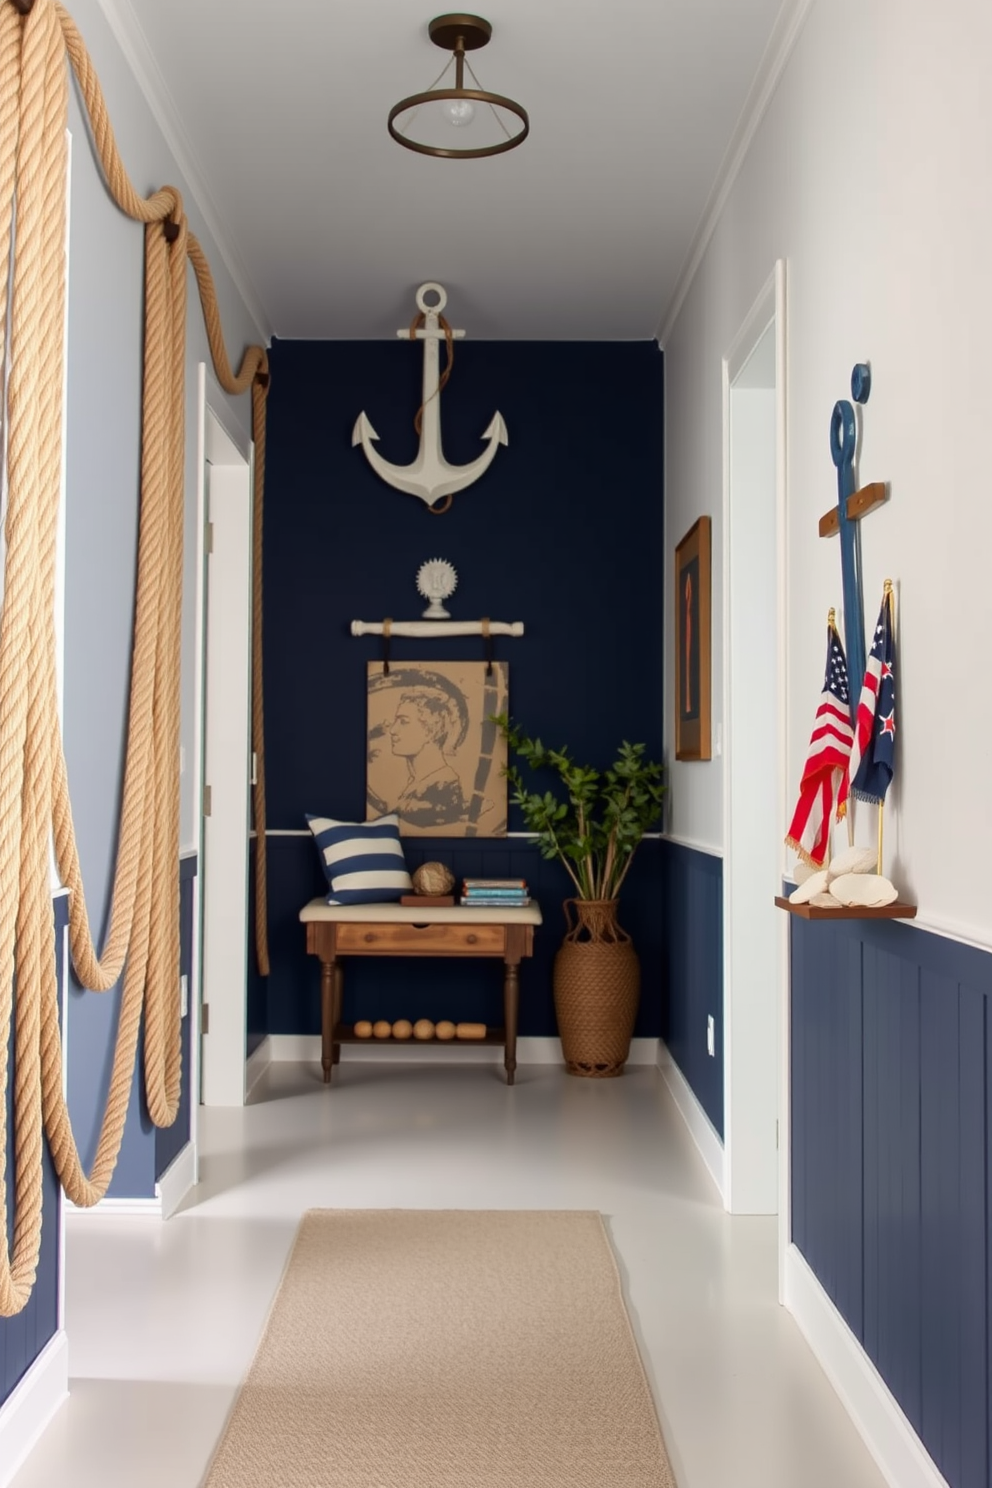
x=887 y=598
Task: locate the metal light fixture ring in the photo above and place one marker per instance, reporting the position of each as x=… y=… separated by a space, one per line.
x=473 y=95
x=459 y=33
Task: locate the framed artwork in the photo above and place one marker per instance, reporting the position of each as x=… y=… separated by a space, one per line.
x=433 y=756
x=692 y=643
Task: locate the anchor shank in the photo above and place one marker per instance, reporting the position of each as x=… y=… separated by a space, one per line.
x=430 y=432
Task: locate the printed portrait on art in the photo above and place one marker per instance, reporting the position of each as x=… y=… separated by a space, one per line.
x=433 y=756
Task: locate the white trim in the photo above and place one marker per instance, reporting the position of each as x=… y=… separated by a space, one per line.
x=32 y=1403
x=701 y=1128
x=970 y=935
x=690 y=842
x=131 y=39
x=788 y=26
x=304 y=1048
x=257 y=1063
x=116 y=1209
x=901 y=1456
x=177 y=1181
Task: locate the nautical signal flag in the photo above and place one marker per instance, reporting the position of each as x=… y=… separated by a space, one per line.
x=824 y=784
x=872 y=754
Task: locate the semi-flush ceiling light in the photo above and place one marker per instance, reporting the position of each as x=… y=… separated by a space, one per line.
x=487 y=123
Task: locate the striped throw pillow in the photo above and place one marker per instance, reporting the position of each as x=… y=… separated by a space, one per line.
x=363 y=861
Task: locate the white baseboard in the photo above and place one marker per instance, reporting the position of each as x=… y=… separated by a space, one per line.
x=304 y=1048
x=177 y=1180
x=120 y=1208
x=258 y=1061
x=901 y=1456
x=32 y=1404
x=701 y=1128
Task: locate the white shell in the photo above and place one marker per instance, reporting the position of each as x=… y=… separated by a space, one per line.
x=802 y=871
x=852 y=860
x=436 y=580
x=867 y=890
x=815 y=884
x=825 y=901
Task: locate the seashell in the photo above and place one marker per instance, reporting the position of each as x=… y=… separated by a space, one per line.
x=852 y=860
x=825 y=901
x=802 y=871
x=865 y=890
x=815 y=884
x=433 y=878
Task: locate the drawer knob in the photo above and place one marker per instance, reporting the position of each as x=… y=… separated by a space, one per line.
x=370 y=936
x=471 y=939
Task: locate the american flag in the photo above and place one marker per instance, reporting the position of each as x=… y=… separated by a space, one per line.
x=825 y=779
x=875 y=737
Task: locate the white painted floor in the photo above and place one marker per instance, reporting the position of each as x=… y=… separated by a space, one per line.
x=163 y=1318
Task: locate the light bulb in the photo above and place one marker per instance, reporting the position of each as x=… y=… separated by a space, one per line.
x=458 y=111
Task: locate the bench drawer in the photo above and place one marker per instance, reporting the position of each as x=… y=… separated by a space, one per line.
x=384 y=939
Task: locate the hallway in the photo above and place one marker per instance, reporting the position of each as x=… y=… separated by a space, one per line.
x=163 y=1319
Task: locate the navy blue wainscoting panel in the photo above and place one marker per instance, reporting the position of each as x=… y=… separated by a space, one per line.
x=692 y=969
x=891 y=1081
x=563 y=532
x=441 y=988
x=23 y=1337
x=257 y=1025
x=170 y=1140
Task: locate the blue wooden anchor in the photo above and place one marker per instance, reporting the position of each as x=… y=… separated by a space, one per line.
x=845 y=517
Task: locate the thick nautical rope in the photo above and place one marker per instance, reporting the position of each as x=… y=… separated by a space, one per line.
x=143 y=934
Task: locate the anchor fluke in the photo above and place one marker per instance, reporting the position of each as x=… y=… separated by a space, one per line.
x=430 y=476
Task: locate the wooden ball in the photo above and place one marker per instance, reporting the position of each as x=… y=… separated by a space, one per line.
x=402 y=1028
x=433 y=878
x=445 y=1030
x=382 y=1028
x=423 y=1029
x=363 y=1029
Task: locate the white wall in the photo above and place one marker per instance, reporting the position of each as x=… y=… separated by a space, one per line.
x=869 y=174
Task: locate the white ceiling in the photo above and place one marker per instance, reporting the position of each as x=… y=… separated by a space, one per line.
x=278 y=111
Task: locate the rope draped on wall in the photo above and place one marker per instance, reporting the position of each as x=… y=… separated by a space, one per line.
x=142 y=939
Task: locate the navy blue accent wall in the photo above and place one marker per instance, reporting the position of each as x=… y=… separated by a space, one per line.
x=170 y=1140
x=891 y=1145
x=257 y=1025
x=23 y=1337
x=563 y=532
x=692 y=975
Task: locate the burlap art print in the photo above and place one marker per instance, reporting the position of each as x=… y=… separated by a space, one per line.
x=434 y=757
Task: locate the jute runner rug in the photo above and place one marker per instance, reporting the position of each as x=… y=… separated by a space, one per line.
x=452 y=1349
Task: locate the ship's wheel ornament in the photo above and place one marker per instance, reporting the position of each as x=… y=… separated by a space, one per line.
x=430 y=476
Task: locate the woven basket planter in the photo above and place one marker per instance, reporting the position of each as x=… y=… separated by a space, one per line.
x=597 y=984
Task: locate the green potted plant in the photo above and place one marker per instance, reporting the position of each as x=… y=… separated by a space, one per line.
x=594 y=832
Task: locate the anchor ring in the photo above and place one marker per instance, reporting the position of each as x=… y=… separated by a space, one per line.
x=442 y=299
x=843 y=434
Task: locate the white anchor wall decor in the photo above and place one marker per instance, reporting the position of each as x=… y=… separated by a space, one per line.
x=430 y=476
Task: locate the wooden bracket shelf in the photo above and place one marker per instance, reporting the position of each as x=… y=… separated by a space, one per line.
x=896 y=911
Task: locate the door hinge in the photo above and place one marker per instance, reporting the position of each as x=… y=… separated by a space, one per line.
x=208 y=538
x=205 y=1017
x=207 y=800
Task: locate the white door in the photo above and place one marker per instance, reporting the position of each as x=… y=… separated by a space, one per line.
x=226 y=766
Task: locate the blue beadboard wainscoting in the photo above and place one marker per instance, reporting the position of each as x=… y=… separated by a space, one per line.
x=170 y=1140
x=23 y=1337
x=692 y=969
x=891 y=1052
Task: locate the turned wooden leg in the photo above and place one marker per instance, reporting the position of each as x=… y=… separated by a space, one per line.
x=338 y=996
x=327 y=999
x=511 y=1002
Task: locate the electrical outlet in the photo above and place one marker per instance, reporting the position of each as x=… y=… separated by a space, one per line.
x=183 y=995
x=711 y=1036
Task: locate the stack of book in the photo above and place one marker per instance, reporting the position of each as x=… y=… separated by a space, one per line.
x=495 y=893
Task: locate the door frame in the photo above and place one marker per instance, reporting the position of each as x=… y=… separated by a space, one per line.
x=221 y=443
x=769 y=308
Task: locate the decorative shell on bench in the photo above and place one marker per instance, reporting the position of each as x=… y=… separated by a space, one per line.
x=816 y=883
x=433 y=878
x=852 y=860
x=867 y=890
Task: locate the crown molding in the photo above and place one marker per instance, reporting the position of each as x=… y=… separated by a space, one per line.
x=126 y=30
x=785 y=33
